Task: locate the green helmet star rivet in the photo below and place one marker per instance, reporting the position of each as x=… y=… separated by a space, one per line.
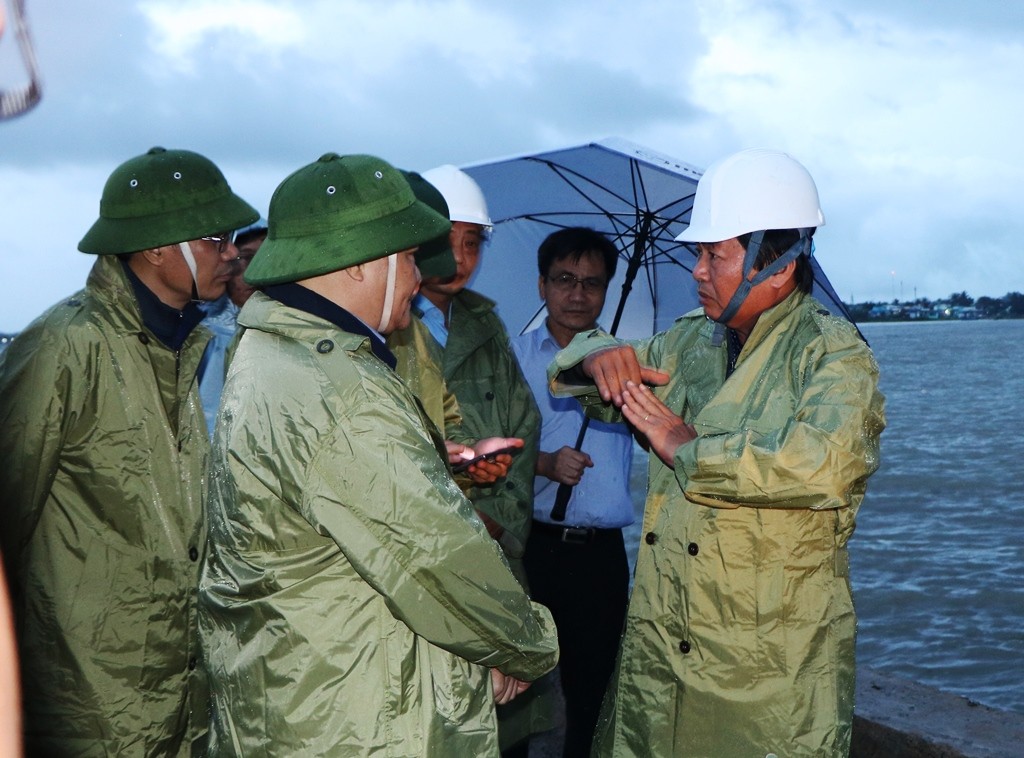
x=340 y=211
x=162 y=198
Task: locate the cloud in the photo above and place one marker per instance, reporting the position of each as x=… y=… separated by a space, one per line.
x=909 y=131
x=231 y=29
x=906 y=113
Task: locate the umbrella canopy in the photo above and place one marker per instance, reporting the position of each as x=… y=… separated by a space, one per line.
x=640 y=199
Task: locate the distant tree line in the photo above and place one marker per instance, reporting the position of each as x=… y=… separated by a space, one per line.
x=959 y=305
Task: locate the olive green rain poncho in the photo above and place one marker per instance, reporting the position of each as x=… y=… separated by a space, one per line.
x=740 y=633
x=102 y=483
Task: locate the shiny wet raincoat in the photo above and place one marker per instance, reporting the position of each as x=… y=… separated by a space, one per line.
x=740 y=634
x=495 y=400
x=420 y=366
x=103 y=456
x=352 y=600
x=478 y=363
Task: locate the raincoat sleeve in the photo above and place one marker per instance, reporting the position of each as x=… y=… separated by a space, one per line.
x=814 y=456
x=413 y=537
x=509 y=501
x=566 y=379
x=37 y=395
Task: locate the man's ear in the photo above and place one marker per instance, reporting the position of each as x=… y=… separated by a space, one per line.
x=154 y=256
x=540 y=288
x=356 y=273
x=784 y=275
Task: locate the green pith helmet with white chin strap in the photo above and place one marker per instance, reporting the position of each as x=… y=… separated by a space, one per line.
x=338 y=212
x=752 y=192
x=165 y=197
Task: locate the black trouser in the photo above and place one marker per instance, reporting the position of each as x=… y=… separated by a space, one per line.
x=583 y=577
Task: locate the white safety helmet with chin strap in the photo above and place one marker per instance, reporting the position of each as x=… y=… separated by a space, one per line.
x=463 y=195
x=751 y=192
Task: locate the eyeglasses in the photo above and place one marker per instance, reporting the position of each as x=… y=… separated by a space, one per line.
x=567 y=283
x=222 y=240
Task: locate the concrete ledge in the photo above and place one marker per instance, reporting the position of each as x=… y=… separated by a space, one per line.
x=898 y=718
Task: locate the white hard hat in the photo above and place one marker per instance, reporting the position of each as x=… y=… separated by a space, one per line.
x=750 y=191
x=463 y=195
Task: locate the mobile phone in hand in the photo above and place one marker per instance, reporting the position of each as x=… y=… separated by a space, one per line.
x=489 y=457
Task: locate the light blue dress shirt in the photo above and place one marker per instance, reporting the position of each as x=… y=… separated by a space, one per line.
x=432 y=318
x=601 y=499
x=222 y=320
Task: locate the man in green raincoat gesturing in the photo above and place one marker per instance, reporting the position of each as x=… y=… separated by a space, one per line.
x=763 y=426
x=353 y=603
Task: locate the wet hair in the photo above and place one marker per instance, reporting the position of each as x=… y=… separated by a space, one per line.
x=575 y=242
x=773 y=245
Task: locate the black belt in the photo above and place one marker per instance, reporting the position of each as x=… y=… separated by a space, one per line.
x=576 y=535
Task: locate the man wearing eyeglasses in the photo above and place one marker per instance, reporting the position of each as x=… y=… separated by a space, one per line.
x=104 y=458
x=577 y=567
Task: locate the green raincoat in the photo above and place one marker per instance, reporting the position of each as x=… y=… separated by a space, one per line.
x=352 y=601
x=479 y=365
x=103 y=455
x=740 y=634
x=420 y=366
x=479 y=358
x=495 y=400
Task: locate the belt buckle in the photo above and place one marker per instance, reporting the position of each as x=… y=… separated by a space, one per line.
x=576 y=535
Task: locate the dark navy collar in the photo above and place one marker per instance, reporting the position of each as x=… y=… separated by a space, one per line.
x=170 y=325
x=296 y=296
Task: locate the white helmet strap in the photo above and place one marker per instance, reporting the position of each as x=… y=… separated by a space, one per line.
x=389 y=293
x=190 y=261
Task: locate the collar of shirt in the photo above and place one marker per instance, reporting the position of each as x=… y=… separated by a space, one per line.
x=296 y=296
x=432 y=317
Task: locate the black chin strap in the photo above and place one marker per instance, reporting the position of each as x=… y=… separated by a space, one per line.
x=801 y=247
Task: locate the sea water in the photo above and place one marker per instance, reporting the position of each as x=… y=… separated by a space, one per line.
x=937 y=559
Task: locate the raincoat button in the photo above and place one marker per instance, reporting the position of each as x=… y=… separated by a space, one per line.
x=650 y=538
x=509 y=486
x=193 y=553
x=324 y=346
x=489 y=395
x=143 y=338
x=684 y=647
x=692 y=548
x=192 y=663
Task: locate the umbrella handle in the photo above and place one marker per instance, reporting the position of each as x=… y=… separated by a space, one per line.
x=565 y=490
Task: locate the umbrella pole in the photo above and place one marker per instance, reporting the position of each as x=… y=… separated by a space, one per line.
x=632 y=268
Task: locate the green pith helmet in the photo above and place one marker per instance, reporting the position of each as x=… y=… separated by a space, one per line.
x=434 y=258
x=161 y=198
x=338 y=212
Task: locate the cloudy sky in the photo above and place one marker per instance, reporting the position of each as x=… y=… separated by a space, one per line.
x=907 y=113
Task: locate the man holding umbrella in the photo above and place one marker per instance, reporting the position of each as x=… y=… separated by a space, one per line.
x=740 y=632
x=577 y=565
